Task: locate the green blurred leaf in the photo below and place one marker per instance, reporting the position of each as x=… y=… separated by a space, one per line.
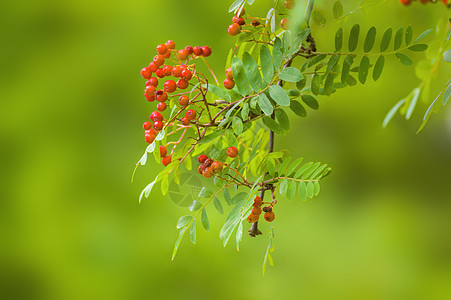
x=310 y=101
x=298 y=109
x=347 y=63
x=338 y=39
x=266 y=65
x=239 y=235
x=277 y=53
x=392 y=112
x=291 y=74
x=329 y=85
x=205 y=193
x=310 y=189
x=337 y=9
x=196 y=205
x=422 y=36
x=447 y=94
x=293 y=166
x=278 y=94
x=398 y=38
x=363 y=69
x=413 y=102
x=252 y=71
x=418 y=47
x=354 y=37
x=378 y=67
x=222 y=94
x=316 y=83
x=302 y=190
x=369 y=39
x=282 y=119
x=316 y=59
x=183 y=221
x=192 y=232
x=283 y=166
x=177 y=242
x=218 y=205
x=273 y=125
x=447 y=55
x=386 y=39
x=318 y=18
x=239 y=76
x=404 y=59
x=204 y=219
x=408 y=35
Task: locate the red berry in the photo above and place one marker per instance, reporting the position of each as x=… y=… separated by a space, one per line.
x=149 y=138
x=257 y=201
x=406 y=2
x=202 y=158
x=229 y=83
x=158 y=60
x=161 y=106
x=182 y=84
x=185 y=121
x=156 y=116
x=191 y=114
x=149 y=98
x=201 y=169
x=160 y=73
x=163 y=151
x=153 y=67
x=166 y=160
x=146 y=73
x=240 y=21
x=234 y=29
x=170 y=44
x=206 y=51
x=229 y=73
x=284 y=24
x=149 y=91
x=182 y=54
x=186 y=74
x=162 y=49
x=270 y=216
x=183 y=100
x=147 y=125
x=152 y=81
x=234 y=19
x=207 y=172
x=232 y=152
x=189 y=49
x=169 y=86
x=167 y=70
x=158 y=125
x=288 y=4
x=161 y=96
x=197 y=50
x=176 y=71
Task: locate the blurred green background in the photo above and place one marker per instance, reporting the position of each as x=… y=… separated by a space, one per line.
x=72 y=106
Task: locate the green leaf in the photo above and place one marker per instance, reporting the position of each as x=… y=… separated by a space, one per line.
x=392 y=112
x=226 y=195
x=413 y=103
x=277 y=53
x=404 y=59
x=239 y=235
x=302 y=169
x=205 y=193
x=332 y=63
x=252 y=71
x=183 y=221
x=378 y=67
x=351 y=81
x=283 y=166
x=146 y=191
x=239 y=76
x=329 y=85
x=310 y=101
x=316 y=83
x=283 y=186
x=447 y=94
x=278 y=94
x=316 y=188
x=447 y=55
x=245 y=111
x=363 y=69
x=237 y=125
x=265 y=104
x=418 y=47
x=177 y=242
x=282 y=119
x=192 y=232
x=196 y=205
x=316 y=59
x=347 y=63
x=273 y=125
x=337 y=9
x=386 y=38
x=302 y=190
x=408 y=35
x=266 y=65
x=291 y=74
x=211 y=137
x=308 y=172
x=339 y=39
x=369 y=40
x=298 y=109
x=354 y=37
x=318 y=18
x=422 y=36
x=294 y=165
x=222 y=94
x=218 y=205
x=291 y=190
x=270 y=165
x=235 y=5
x=398 y=38
x=310 y=189
x=204 y=219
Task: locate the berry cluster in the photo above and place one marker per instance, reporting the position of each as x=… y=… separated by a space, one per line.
x=209 y=167
x=408 y=2
x=257 y=210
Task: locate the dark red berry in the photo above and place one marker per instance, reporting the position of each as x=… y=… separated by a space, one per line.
x=146 y=73
x=206 y=51
x=255 y=22
x=158 y=125
x=229 y=83
x=162 y=49
x=156 y=116
x=163 y=151
x=183 y=100
x=166 y=160
x=240 y=21
x=182 y=84
x=232 y=152
x=202 y=158
x=185 y=121
x=191 y=114
x=197 y=50
x=161 y=106
x=169 y=86
x=147 y=125
x=186 y=74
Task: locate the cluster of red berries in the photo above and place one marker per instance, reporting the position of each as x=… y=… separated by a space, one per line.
x=151 y=129
x=209 y=167
x=237 y=22
x=257 y=210
x=408 y=2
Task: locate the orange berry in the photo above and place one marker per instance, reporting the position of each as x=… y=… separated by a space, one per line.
x=269 y=216
x=234 y=29
x=182 y=84
x=229 y=83
x=170 y=44
x=232 y=152
x=163 y=151
x=162 y=49
x=229 y=73
x=284 y=24
x=216 y=167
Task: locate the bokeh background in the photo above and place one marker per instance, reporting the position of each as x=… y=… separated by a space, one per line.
x=70 y=133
